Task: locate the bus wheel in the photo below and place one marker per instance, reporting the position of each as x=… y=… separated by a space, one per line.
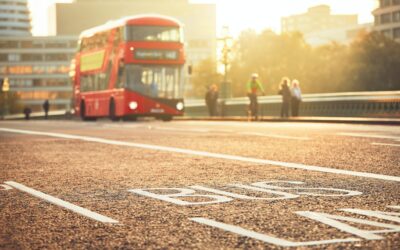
x=113 y=117
x=166 y=118
x=83 y=113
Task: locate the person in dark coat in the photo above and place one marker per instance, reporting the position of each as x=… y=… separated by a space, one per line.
x=284 y=91
x=27 y=113
x=46 y=107
x=211 y=99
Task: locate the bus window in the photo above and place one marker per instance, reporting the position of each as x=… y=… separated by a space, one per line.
x=154 y=81
x=153 y=33
x=121 y=81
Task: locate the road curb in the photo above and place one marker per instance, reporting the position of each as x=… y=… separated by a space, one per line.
x=349 y=120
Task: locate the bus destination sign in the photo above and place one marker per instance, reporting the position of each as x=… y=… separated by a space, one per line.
x=149 y=54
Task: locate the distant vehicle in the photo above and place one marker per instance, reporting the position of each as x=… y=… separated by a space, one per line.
x=129 y=68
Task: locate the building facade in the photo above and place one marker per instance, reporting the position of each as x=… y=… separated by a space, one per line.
x=342 y=35
x=317 y=19
x=199 y=20
x=14 y=18
x=37 y=68
x=387 y=18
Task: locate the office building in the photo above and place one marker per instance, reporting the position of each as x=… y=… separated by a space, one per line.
x=199 y=20
x=387 y=18
x=37 y=69
x=342 y=35
x=14 y=18
x=317 y=19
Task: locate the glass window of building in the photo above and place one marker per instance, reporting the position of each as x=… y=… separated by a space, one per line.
x=9 y=44
x=56 y=57
x=386 y=18
x=3 y=57
x=396 y=16
x=396 y=33
x=26 y=44
x=387 y=33
x=385 y=3
x=32 y=57
x=55 y=45
x=14 y=57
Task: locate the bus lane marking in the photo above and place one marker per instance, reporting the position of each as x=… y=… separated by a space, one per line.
x=179 y=195
x=335 y=221
x=64 y=204
x=265 y=237
x=5 y=187
x=209 y=154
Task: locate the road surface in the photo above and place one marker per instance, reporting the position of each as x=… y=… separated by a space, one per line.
x=203 y=185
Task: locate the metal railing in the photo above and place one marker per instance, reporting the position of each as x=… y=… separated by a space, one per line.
x=385 y=104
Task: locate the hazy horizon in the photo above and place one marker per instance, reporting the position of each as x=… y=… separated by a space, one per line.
x=260 y=15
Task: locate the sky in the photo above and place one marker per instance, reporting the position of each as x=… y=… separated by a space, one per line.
x=239 y=15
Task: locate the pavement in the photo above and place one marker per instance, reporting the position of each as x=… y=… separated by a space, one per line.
x=199 y=184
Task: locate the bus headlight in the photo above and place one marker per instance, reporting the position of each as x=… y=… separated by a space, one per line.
x=179 y=106
x=133 y=105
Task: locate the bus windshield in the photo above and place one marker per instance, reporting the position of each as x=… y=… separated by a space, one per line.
x=153 y=33
x=153 y=81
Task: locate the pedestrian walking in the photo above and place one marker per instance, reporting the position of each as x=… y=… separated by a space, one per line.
x=296 y=97
x=284 y=91
x=46 y=107
x=27 y=113
x=253 y=87
x=211 y=99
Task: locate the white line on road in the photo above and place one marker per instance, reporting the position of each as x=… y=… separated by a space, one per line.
x=182 y=129
x=371 y=136
x=264 y=237
x=208 y=154
x=61 y=203
x=276 y=136
x=385 y=144
x=5 y=187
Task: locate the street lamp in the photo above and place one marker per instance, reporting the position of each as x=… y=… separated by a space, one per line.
x=5 y=87
x=226 y=43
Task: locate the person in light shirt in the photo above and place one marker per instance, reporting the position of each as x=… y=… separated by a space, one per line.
x=253 y=87
x=296 y=97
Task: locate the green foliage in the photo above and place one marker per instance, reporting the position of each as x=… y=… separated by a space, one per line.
x=204 y=75
x=9 y=103
x=372 y=62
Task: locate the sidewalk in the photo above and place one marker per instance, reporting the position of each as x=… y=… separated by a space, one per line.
x=61 y=115
x=354 y=120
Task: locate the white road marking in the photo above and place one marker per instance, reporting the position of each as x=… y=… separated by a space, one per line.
x=264 y=237
x=211 y=155
x=275 y=136
x=5 y=187
x=376 y=136
x=385 y=144
x=61 y=203
x=182 y=129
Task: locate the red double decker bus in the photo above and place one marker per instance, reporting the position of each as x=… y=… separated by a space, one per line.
x=129 y=68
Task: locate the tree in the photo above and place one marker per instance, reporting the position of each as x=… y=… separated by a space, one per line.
x=204 y=74
x=9 y=103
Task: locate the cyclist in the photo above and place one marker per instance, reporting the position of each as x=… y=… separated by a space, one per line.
x=254 y=86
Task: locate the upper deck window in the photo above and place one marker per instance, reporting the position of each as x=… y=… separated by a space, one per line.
x=153 y=33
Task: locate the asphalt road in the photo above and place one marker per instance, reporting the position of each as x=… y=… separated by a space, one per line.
x=201 y=185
